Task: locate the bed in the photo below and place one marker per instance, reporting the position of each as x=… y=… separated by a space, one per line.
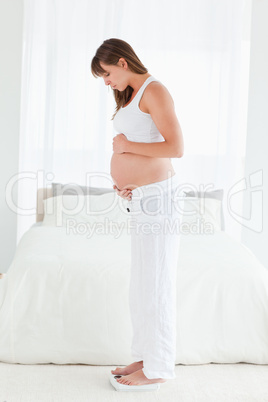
x=64 y=298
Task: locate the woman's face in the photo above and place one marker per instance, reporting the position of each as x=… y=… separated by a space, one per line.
x=115 y=76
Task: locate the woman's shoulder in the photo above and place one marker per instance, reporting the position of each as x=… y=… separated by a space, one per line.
x=156 y=91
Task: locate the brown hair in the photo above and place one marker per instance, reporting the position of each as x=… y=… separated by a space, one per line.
x=110 y=52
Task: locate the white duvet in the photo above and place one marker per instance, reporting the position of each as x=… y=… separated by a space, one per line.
x=65 y=300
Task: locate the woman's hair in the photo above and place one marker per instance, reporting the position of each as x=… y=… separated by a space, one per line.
x=109 y=53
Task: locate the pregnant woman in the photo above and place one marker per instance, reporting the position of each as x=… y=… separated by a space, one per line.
x=149 y=135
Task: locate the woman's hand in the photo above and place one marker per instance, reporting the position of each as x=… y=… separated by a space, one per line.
x=126 y=194
x=120 y=143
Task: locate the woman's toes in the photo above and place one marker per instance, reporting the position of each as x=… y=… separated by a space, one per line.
x=116 y=371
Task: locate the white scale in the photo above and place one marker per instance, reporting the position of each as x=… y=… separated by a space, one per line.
x=132 y=388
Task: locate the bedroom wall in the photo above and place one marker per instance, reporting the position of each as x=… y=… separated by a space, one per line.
x=11 y=17
x=255 y=222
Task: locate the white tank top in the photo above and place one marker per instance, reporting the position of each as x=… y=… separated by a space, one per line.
x=135 y=124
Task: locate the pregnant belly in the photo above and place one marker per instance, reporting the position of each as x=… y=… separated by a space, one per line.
x=132 y=170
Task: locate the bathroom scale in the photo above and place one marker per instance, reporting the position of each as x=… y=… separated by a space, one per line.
x=132 y=388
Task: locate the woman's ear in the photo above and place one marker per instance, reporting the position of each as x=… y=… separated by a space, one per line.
x=122 y=62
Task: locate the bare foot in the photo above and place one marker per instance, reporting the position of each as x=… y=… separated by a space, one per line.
x=138 y=378
x=128 y=369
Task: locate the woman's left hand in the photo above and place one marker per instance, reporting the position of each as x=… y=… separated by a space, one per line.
x=119 y=143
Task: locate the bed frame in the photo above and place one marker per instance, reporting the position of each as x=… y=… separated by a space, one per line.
x=42 y=194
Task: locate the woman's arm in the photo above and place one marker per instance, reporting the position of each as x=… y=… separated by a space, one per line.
x=155 y=149
x=160 y=105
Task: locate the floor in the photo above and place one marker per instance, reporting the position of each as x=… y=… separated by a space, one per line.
x=84 y=383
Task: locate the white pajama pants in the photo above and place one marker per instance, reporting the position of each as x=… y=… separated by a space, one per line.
x=152 y=290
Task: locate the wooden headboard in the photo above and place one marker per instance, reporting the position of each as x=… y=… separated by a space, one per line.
x=42 y=194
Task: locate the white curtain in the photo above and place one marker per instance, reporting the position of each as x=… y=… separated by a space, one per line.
x=195 y=48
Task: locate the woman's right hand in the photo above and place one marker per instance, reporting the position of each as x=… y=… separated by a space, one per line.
x=126 y=193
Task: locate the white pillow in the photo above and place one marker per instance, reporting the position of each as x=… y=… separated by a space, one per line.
x=65 y=210
x=201 y=216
